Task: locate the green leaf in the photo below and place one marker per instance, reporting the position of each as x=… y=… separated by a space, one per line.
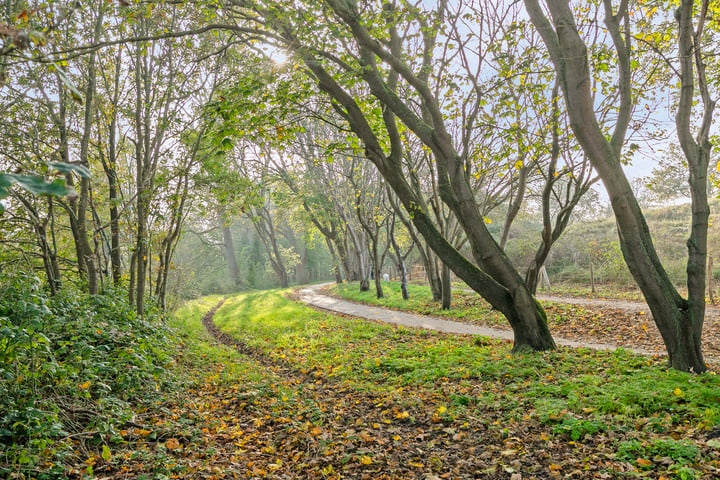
x=74 y=92
x=70 y=168
x=34 y=184
x=5 y=183
x=106 y=453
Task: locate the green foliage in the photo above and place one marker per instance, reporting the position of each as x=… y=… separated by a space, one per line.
x=70 y=364
x=680 y=451
x=39 y=185
x=578 y=428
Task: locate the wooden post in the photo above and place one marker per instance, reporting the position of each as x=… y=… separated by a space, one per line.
x=544 y=278
x=592 y=278
x=710 y=279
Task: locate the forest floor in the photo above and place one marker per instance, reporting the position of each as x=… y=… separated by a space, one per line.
x=280 y=391
x=600 y=323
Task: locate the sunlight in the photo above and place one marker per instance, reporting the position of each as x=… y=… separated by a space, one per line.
x=278 y=57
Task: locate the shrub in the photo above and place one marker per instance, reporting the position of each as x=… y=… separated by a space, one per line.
x=577 y=429
x=68 y=364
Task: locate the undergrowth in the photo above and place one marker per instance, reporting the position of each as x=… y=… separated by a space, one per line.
x=71 y=367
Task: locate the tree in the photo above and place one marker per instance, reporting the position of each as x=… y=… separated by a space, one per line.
x=369 y=193
x=382 y=66
x=679 y=320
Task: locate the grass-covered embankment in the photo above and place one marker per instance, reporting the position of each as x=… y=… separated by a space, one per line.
x=564 y=411
x=320 y=396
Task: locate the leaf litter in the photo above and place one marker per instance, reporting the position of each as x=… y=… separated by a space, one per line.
x=284 y=417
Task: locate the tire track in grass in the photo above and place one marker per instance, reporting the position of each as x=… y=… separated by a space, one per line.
x=336 y=431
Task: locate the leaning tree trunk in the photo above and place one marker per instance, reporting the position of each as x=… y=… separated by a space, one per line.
x=495 y=278
x=679 y=321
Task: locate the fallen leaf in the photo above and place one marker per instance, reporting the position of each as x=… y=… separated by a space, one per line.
x=172 y=444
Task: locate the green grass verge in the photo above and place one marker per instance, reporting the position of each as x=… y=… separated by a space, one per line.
x=620 y=386
x=647 y=410
x=466 y=305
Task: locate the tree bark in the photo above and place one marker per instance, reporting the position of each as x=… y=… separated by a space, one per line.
x=109 y=166
x=336 y=262
x=446 y=288
x=679 y=322
x=265 y=229
x=710 y=280
x=230 y=258
x=514 y=207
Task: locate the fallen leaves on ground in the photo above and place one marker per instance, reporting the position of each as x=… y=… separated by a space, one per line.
x=282 y=421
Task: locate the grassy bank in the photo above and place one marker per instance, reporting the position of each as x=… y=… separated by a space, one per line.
x=305 y=394
x=608 y=412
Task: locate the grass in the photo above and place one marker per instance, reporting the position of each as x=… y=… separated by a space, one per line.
x=376 y=356
x=322 y=396
x=577 y=394
x=466 y=305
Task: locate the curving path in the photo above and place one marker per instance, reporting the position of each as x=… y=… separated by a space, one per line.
x=312 y=295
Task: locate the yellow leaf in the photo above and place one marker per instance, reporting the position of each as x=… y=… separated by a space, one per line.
x=643 y=462
x=519 y=164
x=441 y=410
x=487 y=220
x=678 y=393
x=172 y=444
x=365 y=460
x=85 y=385
x=402 y=415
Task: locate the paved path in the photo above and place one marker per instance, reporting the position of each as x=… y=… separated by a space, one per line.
x=313 y=296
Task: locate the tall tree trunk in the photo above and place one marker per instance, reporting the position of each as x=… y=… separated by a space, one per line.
x=446 y=288
x=337 y=267
x=54 y=265
x=678 y=320
x=399 y=256
x=514 y=208
x=263 y=224
x=377 y=269
x=301 y=270
x=168 y=244
x=230 y=258
x=109 y=166
x=132 y=275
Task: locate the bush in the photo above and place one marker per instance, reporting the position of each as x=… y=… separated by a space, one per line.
x=69 y=364
x=577 y=429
